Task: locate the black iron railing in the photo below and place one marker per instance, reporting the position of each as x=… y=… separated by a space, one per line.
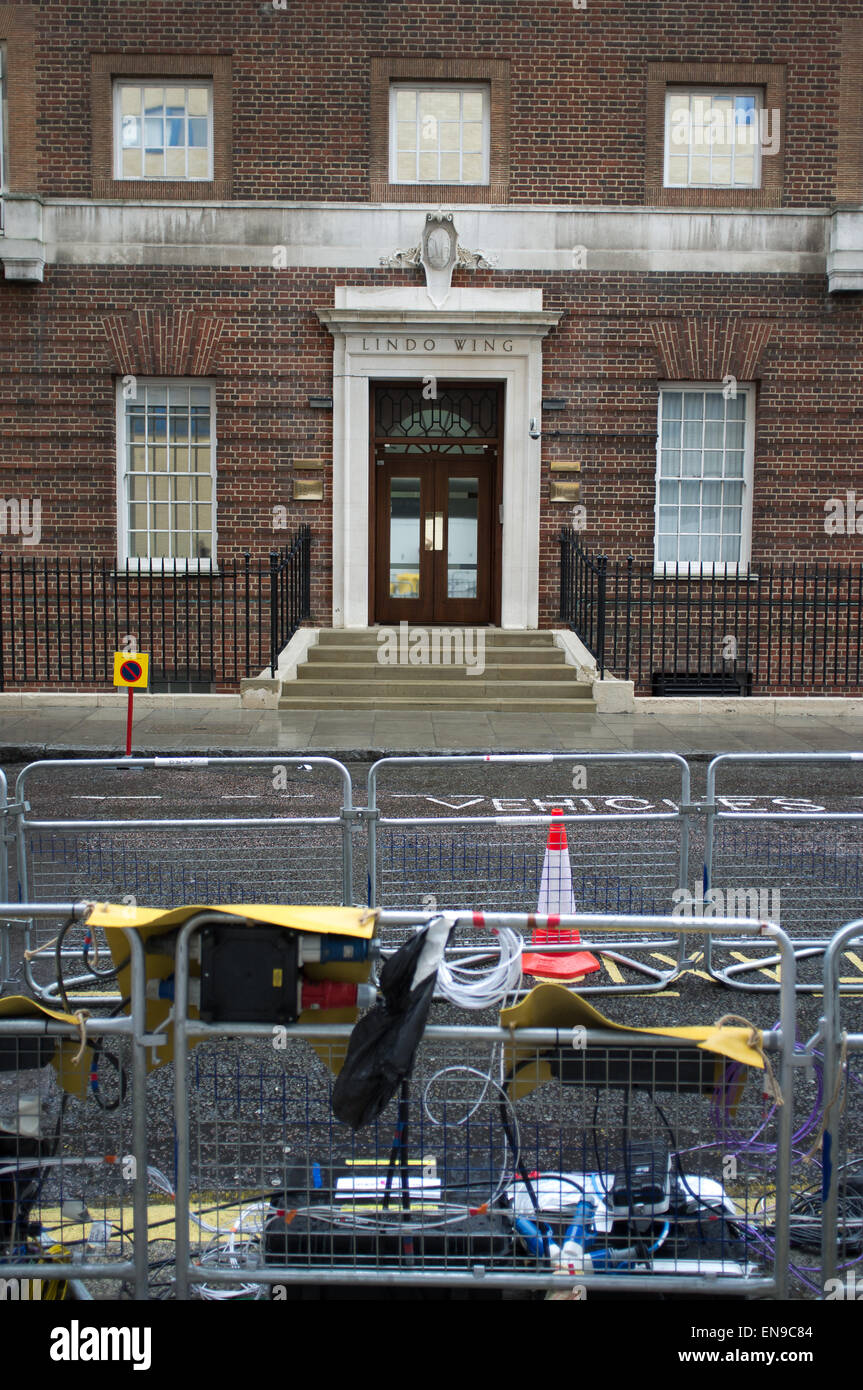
x=61 y=620
x=781 y=628
x=290 y=591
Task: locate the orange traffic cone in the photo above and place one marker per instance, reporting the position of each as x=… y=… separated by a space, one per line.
x=555 y=899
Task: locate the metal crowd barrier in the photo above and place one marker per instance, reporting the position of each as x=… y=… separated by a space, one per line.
x=6 y=842
x=794 y=864
x=841 y=1173
x=152 y=861
x=73 y=1140
x=623 y=861
x=511 y=1167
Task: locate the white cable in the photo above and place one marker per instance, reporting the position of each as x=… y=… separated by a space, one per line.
x=469 y=987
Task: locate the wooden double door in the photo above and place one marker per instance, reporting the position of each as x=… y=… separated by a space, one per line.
x=434 y=556
x=436 y=491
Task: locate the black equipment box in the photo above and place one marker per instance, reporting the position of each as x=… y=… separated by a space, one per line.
x=303 y=1241
x=249 y=975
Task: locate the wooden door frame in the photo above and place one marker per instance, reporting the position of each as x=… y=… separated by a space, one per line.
x=496 y=548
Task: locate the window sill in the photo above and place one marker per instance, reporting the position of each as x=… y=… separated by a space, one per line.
x=183 y=190
x=382 y=191
x=731 y=577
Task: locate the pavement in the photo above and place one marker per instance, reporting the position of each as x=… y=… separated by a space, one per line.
x=218 y=726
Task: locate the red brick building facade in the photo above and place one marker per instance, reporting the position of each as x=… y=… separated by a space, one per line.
x=199 y=197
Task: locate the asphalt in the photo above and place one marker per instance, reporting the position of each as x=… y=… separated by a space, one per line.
x=219 y=727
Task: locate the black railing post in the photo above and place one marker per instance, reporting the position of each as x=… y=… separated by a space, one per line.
x=247 y=560
x=601 y=577
x=274 y=612
x=630 y=560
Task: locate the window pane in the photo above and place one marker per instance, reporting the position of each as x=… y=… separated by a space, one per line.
x=161 y=514
x=711 y=139
x=130 y=132
x=710 y=518
x=670 y=434
x=670 y=463
x=710 y=548
x=130 y=101
x=406 y=105
x=198 y=101
x=198 y=164
x=406 y=136
x=171 y=125
x=461 y=531
x=405 y=537
x=445 y=125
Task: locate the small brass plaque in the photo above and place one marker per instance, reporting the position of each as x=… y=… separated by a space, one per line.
x=308 y=489
x=564 y=466
x=310 y=465
x=564 y=492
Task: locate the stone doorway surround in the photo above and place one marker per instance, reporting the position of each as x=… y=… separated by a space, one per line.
x=483 y=334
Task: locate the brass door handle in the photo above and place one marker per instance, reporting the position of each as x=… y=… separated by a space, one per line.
x=433 y=531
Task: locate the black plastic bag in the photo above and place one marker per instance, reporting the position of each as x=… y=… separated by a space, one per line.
x=383 y=1044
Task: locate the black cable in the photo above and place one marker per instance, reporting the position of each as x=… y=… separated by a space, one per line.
x=404 y=1114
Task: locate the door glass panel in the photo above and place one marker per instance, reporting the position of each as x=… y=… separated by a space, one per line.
x=462 y=528
x=404 y=538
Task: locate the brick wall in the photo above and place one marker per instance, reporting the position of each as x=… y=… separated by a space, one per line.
x=579 y=82
x=59 y=364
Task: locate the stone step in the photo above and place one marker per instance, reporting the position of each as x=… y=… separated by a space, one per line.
x=468 y=687
x=492 y=704
x=376 y=671
x=352 y=637
x=330 y=654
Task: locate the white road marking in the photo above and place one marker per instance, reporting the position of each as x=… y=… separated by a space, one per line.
x=117 y=797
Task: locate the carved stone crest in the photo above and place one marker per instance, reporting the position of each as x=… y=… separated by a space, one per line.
x=439 y=253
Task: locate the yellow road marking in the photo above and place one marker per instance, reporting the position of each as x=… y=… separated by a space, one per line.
x=669 y=960
x=611 y=967
x=762 y=969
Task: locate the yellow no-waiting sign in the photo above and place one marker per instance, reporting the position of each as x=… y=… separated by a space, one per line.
x=131 y=670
